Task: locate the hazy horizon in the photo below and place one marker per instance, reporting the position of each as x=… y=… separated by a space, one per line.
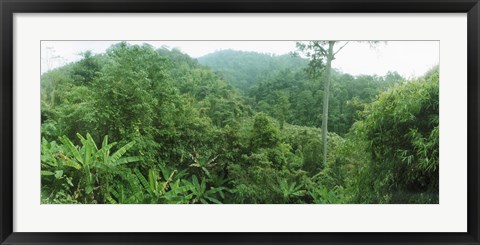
x=408 y=58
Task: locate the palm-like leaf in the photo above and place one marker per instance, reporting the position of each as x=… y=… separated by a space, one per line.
x=72 y=149
x=120 y=152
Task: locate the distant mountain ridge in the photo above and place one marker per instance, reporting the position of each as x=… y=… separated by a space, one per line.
x=243 y=69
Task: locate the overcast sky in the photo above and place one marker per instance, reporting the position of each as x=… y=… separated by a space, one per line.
x=409 y=58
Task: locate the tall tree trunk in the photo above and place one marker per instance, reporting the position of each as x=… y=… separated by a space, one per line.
x=326 y=94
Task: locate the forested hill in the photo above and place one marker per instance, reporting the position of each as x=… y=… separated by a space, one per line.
x=143 y=125
x=281 y=87
x=243 y=69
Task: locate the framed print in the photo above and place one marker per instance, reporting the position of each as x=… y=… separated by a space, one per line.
x=239 y=122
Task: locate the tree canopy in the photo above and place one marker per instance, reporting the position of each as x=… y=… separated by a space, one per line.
x=138 y=124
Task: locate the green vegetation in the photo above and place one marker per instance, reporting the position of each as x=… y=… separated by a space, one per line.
x=144 y=125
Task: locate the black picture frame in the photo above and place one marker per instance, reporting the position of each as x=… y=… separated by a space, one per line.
x=9 y=7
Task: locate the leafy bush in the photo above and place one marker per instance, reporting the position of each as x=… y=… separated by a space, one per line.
x=401 y=131
x=92 y=169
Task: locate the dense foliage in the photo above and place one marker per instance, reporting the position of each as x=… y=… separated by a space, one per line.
x=144 y=125
x=401 y=131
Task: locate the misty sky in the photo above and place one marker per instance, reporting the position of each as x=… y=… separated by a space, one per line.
x=409 y=58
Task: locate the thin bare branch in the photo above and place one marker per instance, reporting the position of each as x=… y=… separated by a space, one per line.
x=338 y=50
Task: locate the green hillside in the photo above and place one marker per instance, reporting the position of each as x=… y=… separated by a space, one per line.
x=143 y=125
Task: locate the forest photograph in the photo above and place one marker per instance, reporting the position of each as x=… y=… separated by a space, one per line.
x=239 y=122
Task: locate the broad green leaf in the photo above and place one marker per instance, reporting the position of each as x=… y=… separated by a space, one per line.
x=47 y=173
x=90 y=139
x=195 y=181
x=66 y=141
x=72 y=164
x=214 y=200
x=119 y=153
x=127 y=160
x=88 y=147
x=141 y=178
x=58 y=174
x=203 y=186
x=152 y=179
x=88 y=189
